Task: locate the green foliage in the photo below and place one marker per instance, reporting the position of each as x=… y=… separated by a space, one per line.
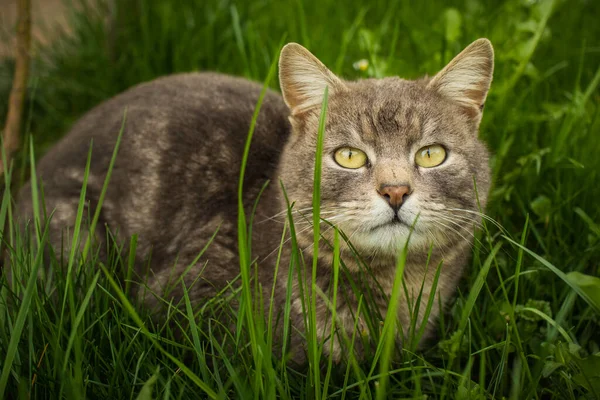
x=526 y=321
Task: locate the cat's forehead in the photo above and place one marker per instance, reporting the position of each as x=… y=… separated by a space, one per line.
x=392 y=109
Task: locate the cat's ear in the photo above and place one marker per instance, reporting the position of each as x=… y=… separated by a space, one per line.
x=467 y=78
x=303 y=79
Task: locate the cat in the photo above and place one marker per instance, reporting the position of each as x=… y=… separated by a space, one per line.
x=400 y=158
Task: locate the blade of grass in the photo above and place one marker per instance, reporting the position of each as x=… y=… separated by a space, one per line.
x=136 y=318
x=30 y=292
x=131 y=262
x=468 y=308
x=336 y=272
x=78 y=319
x=430 y=303
x=6 y=195
x=111 y=164
x=272 y=298
x=193 y=326
x=314 y=345
x=389 y=335
x=558 y=273
x=246 y=307
x=34 y=193
x=68 y=292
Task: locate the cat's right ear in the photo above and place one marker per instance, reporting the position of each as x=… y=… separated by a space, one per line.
x=303 y=79
x=467 y=78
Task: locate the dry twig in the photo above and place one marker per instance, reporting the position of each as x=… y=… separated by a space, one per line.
x=12 y=129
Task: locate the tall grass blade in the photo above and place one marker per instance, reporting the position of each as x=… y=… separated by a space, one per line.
x=111 y=165
x=558 y=273
x=246 y=308
x=314 y=342
x=138 y=321
x=390 y=327
x=19 y=324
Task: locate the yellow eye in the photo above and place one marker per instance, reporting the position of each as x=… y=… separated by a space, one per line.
x=430 y=156
x=349 y=157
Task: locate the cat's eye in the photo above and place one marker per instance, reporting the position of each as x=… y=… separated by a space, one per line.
x=349 y=157
x=430 y=156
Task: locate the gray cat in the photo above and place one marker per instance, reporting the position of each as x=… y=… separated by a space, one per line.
x=398 y=156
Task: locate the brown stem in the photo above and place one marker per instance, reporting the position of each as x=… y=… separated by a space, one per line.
x=12 y=129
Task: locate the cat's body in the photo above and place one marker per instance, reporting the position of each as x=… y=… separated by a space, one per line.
x=175 y=182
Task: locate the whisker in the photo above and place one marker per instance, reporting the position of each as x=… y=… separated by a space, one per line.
x=482 y=215
x=285 y=242
x=306 y=226
x=439 y=245
x=459 y=224
x=463 y=219
x=458 y=233
x=300 y=212
x=322 y=233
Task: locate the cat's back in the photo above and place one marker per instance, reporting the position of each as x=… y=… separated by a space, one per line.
x=181 y=113
x=183 y=138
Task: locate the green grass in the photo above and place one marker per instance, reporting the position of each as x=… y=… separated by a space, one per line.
x=526 y=321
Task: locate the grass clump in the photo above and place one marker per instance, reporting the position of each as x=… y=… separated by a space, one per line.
x=526 y=319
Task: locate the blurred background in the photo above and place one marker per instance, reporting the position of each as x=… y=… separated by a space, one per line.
x=48 y=16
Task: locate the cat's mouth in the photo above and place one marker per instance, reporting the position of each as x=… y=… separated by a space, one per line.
x=395 y=222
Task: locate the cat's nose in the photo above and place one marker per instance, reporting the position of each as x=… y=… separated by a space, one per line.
x=394 y=194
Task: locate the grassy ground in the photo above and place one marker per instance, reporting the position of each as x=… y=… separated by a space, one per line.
x=527 y=318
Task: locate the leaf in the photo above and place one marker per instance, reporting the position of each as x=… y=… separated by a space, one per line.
x=531 y=71
x=529 y=26
x=146 y=392
x=576 y=164
x=588 y=284
x=555 y=111
x=589 y=377
x=367 y=41
x=540 y=305
x=541 y=206
x=550 y=367
x=472 y=393
x=456 y=342
x=585 y=371
x=524 y=49
x=594 y=227
x=453 y=24
x=585 y=295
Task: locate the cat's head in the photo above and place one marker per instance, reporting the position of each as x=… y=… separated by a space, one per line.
x=394 y=152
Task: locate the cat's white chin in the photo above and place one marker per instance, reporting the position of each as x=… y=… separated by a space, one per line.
x=385 y=234
x=388 y=239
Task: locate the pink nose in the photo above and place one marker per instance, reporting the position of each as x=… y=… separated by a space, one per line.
x=394 y=195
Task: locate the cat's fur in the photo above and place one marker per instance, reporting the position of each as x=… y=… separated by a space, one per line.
x=175 y=180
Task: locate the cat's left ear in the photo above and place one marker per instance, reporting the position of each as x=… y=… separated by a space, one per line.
x=467 y=78
x=303 y=79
